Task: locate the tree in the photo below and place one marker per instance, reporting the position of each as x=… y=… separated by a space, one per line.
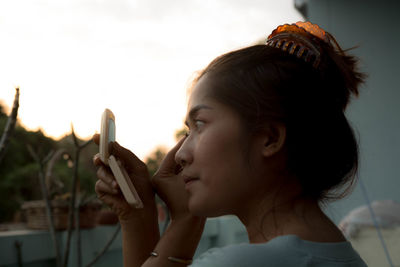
x=19 y=173
x=180 y=133
x=9 y=126
x=154 y=160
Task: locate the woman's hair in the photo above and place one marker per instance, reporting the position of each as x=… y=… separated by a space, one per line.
x=265 y=84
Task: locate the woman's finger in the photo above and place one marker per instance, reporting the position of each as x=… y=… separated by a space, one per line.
x=168 y=165
x=105 y=175
x=131 y=162
x=102 y=188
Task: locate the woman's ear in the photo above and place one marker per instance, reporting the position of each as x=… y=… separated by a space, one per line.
x=274 y=137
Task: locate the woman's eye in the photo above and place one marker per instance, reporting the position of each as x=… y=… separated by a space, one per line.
x=198 y=124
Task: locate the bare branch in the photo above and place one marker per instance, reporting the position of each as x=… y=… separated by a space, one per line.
x=108 y=244
x=74 y=189
x=71 y=207
x=33 y=153
x=48 y=157
x=50 y=165
x=86 y=144
x=78 y=231
x=10 y=125
x=46 y=198
x=74 y=136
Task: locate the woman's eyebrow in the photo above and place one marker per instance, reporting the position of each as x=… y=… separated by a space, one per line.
x=194 y=111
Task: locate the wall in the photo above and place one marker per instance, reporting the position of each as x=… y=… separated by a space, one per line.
x=374 y=27
x=37 y=249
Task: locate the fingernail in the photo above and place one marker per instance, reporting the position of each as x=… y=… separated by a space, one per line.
x=114 y=184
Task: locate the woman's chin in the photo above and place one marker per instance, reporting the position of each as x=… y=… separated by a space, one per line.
x=198 y=209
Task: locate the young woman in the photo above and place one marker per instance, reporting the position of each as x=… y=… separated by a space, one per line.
x=268 y=141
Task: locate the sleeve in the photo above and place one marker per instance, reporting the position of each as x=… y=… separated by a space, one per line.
x=248 y=255
x=211 y=258
x=232 y=256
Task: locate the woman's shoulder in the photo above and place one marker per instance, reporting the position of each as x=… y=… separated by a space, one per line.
x=244 y=254
x=282 y=251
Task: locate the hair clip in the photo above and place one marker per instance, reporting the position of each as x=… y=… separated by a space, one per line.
x=300 y=39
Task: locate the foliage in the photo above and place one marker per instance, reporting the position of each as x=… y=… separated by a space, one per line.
x=19 y=173
x=180 y=133
x=154 y=160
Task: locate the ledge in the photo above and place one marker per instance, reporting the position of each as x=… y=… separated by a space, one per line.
x=37 y=247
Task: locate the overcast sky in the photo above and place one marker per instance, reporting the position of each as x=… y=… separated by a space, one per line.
x=73 y=58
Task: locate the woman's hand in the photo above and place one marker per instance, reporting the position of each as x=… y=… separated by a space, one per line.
x=169 y=185
x=108 y=190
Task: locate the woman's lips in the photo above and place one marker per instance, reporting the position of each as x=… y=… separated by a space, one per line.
x=188 y=179
x=189 y=183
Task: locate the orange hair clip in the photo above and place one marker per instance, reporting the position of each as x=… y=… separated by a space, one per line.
x=300 y=39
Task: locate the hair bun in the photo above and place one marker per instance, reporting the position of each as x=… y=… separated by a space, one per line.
x=343 y=74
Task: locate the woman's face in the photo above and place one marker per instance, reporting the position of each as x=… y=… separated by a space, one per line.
x=215 y=170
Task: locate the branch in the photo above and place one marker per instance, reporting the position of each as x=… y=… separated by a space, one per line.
x=71 y=207
x=46 y=198
x=86 y=144
x=76 y=143
x=48 y=157
x=74 y=189
x=78 y=231
x=74 y=136
x=49 y=170
x=33 y=154
x=10 y=125
x=108 y=244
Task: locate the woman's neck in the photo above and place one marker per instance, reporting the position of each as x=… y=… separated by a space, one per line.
x=301 y=217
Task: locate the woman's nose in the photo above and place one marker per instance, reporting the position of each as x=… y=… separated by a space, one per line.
x=184 y=156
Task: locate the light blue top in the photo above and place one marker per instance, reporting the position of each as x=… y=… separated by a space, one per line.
x=287 y=250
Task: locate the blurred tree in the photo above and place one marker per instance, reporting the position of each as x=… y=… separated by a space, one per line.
x=180 y=133
x=87 y=170
x=19 y=173
x=155 y=158
x=9 y=126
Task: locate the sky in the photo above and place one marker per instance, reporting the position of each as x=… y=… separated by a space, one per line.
x=74 y=58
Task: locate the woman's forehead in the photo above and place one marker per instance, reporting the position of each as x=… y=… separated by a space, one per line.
x=202 y=90
x=199 y=92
